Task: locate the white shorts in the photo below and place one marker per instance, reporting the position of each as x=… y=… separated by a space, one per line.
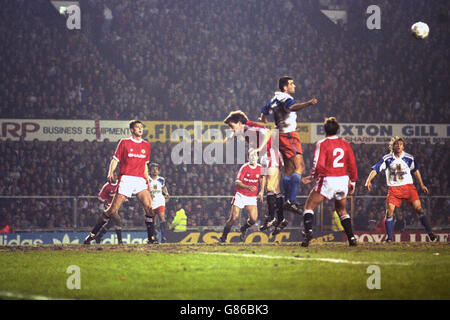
x=130 y=185
x=332 y=187
x=240 y=201
x=158 y=202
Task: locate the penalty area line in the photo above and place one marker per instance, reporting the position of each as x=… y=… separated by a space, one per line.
x=331 y=260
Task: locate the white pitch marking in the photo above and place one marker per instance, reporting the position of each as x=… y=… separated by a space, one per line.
x=13 y=295
x=306 y=259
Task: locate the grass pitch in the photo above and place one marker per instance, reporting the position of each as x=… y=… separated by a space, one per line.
x=227 y=272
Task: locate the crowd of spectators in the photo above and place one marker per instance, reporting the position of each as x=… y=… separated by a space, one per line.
x=51 y=72
x=78 y=169
x=150 y=59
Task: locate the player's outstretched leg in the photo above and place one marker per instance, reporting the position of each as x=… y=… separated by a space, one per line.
x=105 y=217
x=98 y=237
x=425 y=221
x=101 y=222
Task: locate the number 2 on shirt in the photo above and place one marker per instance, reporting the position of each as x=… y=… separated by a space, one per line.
x=340 y=154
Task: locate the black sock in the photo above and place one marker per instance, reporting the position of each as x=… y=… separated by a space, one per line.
x=102 y=221
x=247 y=224
x=308 y=219
x=280 y=207
x=119 y=234
x=226 y=230
x=425 y=222
x=150 y=224
x=101 y=232
x=271 y=205
x=346 y=223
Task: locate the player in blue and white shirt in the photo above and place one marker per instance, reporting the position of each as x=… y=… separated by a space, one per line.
x=283 y=108
x=399 y=167
x=159 y=194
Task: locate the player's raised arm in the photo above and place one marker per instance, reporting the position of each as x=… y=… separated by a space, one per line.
x=302 y=105
x=263 y=144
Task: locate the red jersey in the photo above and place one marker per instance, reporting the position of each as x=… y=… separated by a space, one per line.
x=254 y=135
x=333 y=157
x=248 y=176
x=107 y=192
x=133 y=155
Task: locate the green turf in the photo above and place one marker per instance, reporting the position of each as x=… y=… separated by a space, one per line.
x=227 y=272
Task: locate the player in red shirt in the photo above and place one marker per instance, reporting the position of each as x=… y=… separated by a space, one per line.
x=260 y=140
x=246 y=194
x=106 y=195
x=132 y=155
x=335 y=173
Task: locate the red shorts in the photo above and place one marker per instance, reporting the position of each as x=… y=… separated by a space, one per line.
x=397 y=194
x=160 y=209
x=290 y=144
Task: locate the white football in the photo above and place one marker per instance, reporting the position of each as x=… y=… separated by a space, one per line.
x=420 y=30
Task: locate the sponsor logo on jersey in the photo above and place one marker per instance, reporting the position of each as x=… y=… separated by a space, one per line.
x=133 y=155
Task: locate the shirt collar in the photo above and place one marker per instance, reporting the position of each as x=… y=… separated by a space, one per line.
x=137 y=141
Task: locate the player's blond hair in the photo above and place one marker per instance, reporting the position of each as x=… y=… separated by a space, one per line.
x=235 y=117
x=394 y=140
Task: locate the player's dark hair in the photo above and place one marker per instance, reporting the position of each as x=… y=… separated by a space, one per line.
x=154 y=164
x=394 y=140
x=235 y=117
x=132 y=123
x=331 y=126
x=283 y=82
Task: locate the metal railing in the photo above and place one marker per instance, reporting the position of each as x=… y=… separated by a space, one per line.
x=78 y=213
